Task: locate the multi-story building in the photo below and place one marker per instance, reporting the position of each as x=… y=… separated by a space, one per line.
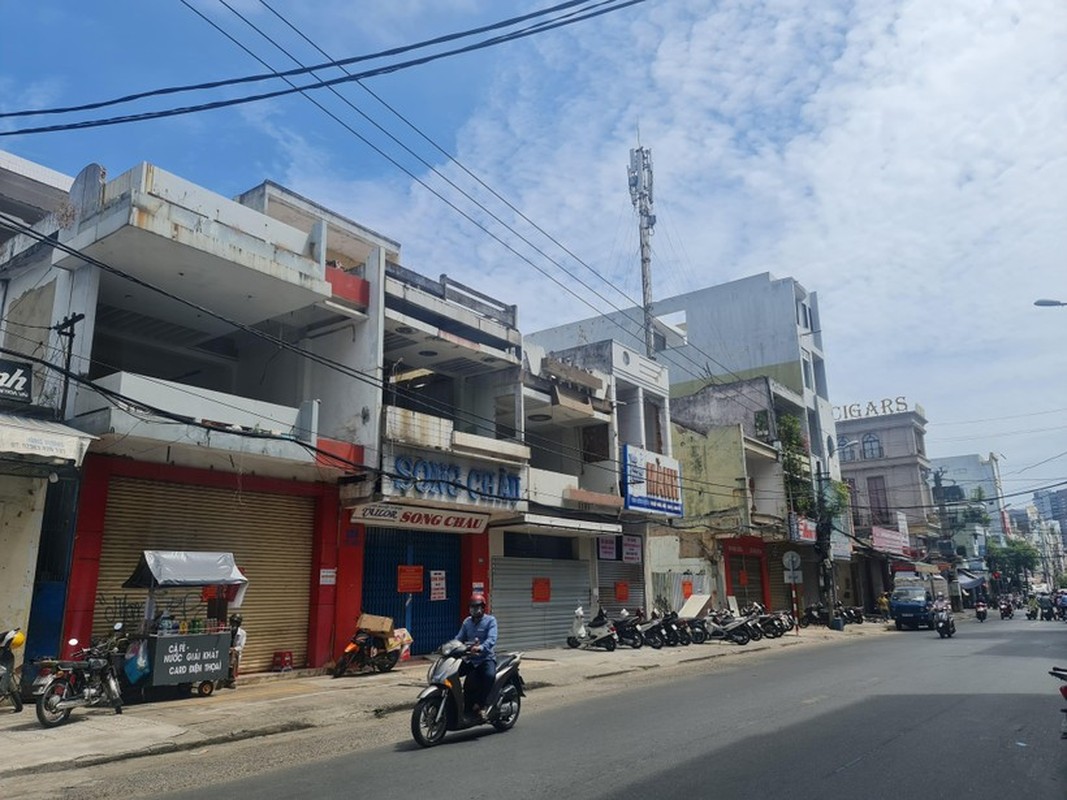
x=965 y=478
x=882 y=449
x=1052 y=505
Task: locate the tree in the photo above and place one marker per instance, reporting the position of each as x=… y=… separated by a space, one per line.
x=1012 y=560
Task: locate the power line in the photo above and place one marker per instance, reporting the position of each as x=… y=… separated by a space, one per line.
x=168 y=90
x=385 y=70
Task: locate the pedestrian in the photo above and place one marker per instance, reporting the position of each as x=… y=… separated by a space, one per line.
x=883 y=606
x=238 y=637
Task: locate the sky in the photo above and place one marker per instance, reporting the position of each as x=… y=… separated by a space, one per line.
x=907 y=160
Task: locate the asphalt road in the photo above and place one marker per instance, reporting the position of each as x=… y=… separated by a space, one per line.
x=903 y=716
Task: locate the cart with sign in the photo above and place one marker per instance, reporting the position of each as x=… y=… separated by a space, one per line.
x=178 y=645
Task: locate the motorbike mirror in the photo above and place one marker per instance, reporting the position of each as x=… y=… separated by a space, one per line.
x=117 y=627
x=72 y=642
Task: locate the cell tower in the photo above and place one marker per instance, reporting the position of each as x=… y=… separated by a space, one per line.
x=640 y=174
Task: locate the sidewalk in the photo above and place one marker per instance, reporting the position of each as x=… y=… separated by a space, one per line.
x=311 y=699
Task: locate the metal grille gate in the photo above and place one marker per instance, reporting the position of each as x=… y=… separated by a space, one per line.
x=430 y=622
x=524 y=623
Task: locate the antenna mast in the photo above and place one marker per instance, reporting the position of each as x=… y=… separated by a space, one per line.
x=640 y=174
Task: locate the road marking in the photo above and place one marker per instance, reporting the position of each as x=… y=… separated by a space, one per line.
x=816 y=699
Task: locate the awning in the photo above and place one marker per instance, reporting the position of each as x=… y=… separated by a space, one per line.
x=543 y=523
x=969 y=580
x=42 y=440
x=160 y=569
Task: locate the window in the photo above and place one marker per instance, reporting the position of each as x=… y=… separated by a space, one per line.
x=920 y=444
x=872 y=446
x=846 y=449
x=879 y=501
x=809 y=377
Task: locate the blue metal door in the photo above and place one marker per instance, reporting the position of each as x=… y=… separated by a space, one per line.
x=430 y=622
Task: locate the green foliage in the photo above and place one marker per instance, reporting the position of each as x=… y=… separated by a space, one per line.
x=795 y=465
x=1014 y=559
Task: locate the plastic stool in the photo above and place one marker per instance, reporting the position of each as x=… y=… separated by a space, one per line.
x=282 y=661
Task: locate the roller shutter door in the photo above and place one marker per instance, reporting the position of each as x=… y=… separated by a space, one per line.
x=270 y=536
x=748 y=567
x=611 y=572
x=781 y=592
x=525 y=624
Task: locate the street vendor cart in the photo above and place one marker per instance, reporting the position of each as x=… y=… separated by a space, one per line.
x=178 y=645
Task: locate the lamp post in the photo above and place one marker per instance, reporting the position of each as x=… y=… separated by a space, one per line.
x=1044 y=302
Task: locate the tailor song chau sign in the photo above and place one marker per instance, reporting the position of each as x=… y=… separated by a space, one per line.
x=653 y=482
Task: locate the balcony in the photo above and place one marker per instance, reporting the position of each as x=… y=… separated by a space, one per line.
x=560 y=490
x=427 y=432
x=199 y=427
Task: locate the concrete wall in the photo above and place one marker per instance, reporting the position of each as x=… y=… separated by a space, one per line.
x=711 y=464
x=21 y=513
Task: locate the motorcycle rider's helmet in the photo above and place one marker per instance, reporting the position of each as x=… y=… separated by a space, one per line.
x=236 y=620
x=15 y=639
x=940 y=595
x=477 y=606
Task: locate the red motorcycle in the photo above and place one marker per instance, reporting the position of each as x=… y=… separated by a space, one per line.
x=1061 y=673
x=372 y=651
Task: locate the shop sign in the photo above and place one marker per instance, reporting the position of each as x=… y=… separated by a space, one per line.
x=449 y=479
x=541 y=590
x=742 y=549
x=408 y=579
x=802 y=529
x=622 y=591
x=16 y=381
x=840 y=547
x=887 y=540
x=189 y=659
x=631 y=549
x=653 y=482
x=872 y=408
x=437 y=585
x=606 y=547
x=417 y=518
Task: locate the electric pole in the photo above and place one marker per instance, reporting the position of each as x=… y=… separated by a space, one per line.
x=66 y=330
x=640 y=175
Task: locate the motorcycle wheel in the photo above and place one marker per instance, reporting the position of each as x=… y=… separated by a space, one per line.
x=755 y=634
x=47 y=714
x=635 y=641
x=699 y=637
x=388 y=661
x=684 y=639
x=740 y=636
x=670 y=638
x=572 y=642
x=342 y=665
x=803 y=622
x=510 y=705
x=653 y=640
x=426 y=729
x=609 y=644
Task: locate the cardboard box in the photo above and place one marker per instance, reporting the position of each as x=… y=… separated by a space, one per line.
x=372 y=623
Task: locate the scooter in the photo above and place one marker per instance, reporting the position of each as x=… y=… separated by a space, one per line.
x=442 y=706
x=724 y=626
x=943 y=622
x=600 y=632
x=368 y=651
x=9 y=684
x=981 y=610
x=1031 y=612
x=90 y=679
x=1007 y=611
x=626 y=627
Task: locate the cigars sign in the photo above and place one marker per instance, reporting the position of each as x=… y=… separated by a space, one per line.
x=872 y=408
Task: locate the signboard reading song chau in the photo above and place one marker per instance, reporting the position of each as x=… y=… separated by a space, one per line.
x=189 y=659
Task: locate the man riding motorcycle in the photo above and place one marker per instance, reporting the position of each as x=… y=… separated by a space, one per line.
x=481 y=629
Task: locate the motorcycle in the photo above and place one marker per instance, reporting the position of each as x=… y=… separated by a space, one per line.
x=1046 y=613
x=723 y=625
x=368 y=651
x=1031 y=612
x=442 y=706
x=651 y=631
x=9 y=684
x=674 y=631
x=944 y=624
x=1061 y=673
x=981 y=610
x=600 y=632
x=89 y=679
x=1007 y=611
x=626 y=628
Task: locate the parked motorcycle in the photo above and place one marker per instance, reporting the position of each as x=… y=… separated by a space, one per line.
x=1047 y=614
x=443 y=705
x=944 y=624
x=9 y=684
x=723 y=625
x=600 y=632
x=651 y=631
x=89 y=679
x=675 y=632
x=1007 y=610
x=981 y=610
x=626 y=628
x=1061 y=673
x=368 y=651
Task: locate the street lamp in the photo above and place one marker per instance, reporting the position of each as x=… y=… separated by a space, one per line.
x=1044 y=302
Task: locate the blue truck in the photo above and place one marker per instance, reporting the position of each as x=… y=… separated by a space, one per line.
x=912 y=599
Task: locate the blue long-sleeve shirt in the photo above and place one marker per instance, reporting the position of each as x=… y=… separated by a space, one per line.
x=484 y=630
